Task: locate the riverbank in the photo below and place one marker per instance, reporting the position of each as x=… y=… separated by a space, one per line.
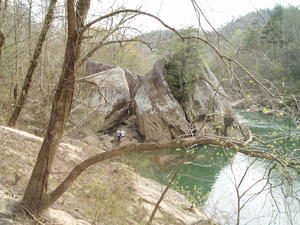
x=269 y=194
x=109 y=193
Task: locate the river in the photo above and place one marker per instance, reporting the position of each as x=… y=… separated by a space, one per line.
x=263 y=200
x=236 y=189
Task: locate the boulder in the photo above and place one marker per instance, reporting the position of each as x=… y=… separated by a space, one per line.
x=159 y=116
x=110 y=97
x=207 y=99
x=119 y=94
x=92 y=67
x=106 y=97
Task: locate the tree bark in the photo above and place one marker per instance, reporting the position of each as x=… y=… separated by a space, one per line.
x=36 y=197
x=16 y=29
x=3 y=7
x=29 y=28
x=2 y=41
x=33 y=64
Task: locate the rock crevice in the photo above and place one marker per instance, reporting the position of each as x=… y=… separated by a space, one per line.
x=158 y=116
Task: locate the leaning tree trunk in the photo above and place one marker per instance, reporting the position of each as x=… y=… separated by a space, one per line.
x=36 y=197
x=33 y=64
x=3 y=7
x=2 y=41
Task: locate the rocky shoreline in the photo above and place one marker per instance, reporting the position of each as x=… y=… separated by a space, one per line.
x=20 y=147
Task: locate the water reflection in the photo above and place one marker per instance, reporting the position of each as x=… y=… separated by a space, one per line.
x=246 y=181
x=212 y=175
x=244 y=192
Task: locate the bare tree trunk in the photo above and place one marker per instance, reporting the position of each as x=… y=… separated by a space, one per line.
x=81 y=167
x=16 y=42
x=204 y=140
x=3 y=7
x=36 y=197
x=29 y=28
x=33 y=64
x=2 y=41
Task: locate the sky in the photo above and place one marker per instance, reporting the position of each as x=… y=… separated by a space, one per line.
x=180 y=13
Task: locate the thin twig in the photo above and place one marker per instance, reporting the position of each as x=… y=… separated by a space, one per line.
x=31 y=214
x=166 y=189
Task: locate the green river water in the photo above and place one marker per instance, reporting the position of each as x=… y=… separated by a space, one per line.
x=211 y=176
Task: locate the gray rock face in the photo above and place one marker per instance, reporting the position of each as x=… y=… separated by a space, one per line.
x=107 y=96
x=121 y=93
x=111 y=97
x=92 y=67
x=159 y=116
x=207 y=98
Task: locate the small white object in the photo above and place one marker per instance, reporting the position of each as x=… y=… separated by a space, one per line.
x=123 y=132
x=119 y=134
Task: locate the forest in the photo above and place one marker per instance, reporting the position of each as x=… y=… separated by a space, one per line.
x=200 y=111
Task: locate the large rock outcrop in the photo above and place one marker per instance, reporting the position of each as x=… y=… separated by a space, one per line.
x=207 y=99
x=158 y=115
x=118 y=94
x=106 y=96
x=111 y=97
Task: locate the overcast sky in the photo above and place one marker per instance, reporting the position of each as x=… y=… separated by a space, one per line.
x=179 y=13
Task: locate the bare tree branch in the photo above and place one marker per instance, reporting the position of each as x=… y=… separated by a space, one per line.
x=102 y=44
x=233 y=144
x=166 y=189
x=225 y=59
x=97 y=86
x=33 y=64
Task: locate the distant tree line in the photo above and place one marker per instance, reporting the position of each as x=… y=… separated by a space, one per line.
x=279 y=38
x=268 y=43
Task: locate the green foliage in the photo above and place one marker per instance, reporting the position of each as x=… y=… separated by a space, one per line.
x=184 y=64
x=273 y=30
x=268 y=44
x=280 y=38
x=194 y=193
x=252 y=37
